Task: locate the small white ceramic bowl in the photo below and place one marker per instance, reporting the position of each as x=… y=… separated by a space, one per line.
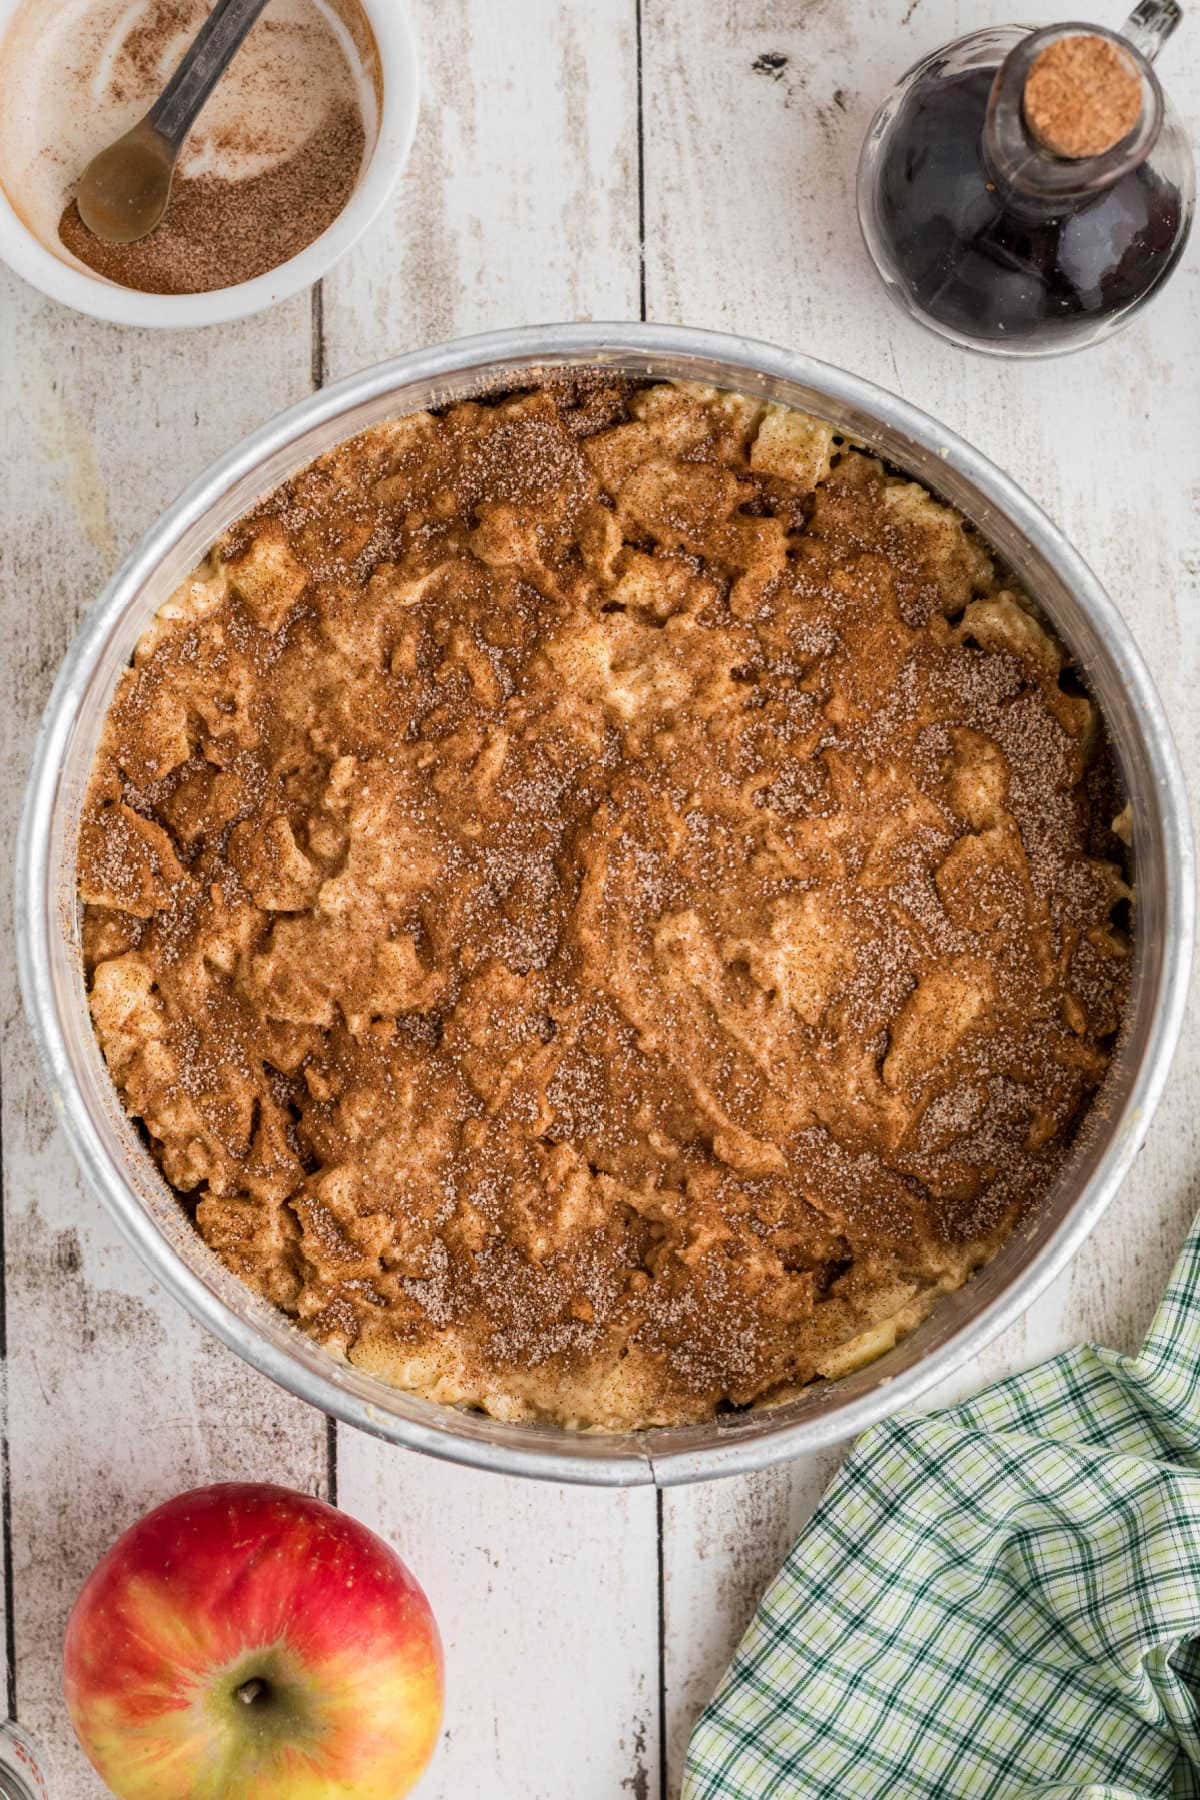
x=103 y=299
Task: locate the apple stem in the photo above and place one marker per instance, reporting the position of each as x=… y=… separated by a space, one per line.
x=251 y=1690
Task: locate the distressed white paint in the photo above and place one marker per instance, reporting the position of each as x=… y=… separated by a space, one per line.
x=521 y=204
x=115 y=1399
x=750 y=227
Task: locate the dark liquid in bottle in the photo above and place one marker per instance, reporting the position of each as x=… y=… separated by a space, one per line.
x=979 y=266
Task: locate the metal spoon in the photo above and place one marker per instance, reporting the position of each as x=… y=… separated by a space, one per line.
x=123 y=192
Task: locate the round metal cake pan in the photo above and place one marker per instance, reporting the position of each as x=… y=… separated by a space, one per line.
x=119 y=1168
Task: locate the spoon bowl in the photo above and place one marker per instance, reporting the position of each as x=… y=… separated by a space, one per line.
x=123 y=192
x=125 y=189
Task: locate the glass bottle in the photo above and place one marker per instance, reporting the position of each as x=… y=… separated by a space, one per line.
x=20 y=1775
x=992 y=239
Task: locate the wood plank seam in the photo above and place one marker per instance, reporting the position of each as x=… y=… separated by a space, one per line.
x=662 y=1645
x=641 y=180
x=6 y=1536
x=318 y=335
x=6 y=1545
x=317 y=367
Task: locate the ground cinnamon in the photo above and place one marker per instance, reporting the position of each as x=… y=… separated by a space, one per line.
x=218 y=231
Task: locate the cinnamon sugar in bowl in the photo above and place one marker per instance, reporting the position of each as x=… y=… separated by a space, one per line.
x=293 y=158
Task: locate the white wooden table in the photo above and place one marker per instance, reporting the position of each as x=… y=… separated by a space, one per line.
x=575 y=159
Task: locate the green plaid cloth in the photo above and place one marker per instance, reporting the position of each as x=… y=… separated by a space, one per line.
x=996 y=1602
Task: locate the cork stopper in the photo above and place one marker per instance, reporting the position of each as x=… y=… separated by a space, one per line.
x=1082 y=96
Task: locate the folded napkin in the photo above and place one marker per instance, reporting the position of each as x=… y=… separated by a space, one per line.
x=996 y=1602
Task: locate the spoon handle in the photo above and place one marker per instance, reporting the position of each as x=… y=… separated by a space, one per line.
x=206 y=60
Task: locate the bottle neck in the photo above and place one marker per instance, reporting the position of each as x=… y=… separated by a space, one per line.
x=1033 y=178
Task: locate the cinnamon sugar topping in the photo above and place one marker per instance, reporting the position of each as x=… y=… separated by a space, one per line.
x=603 y=902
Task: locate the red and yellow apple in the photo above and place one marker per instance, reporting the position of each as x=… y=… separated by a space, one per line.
x=244 y=1642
